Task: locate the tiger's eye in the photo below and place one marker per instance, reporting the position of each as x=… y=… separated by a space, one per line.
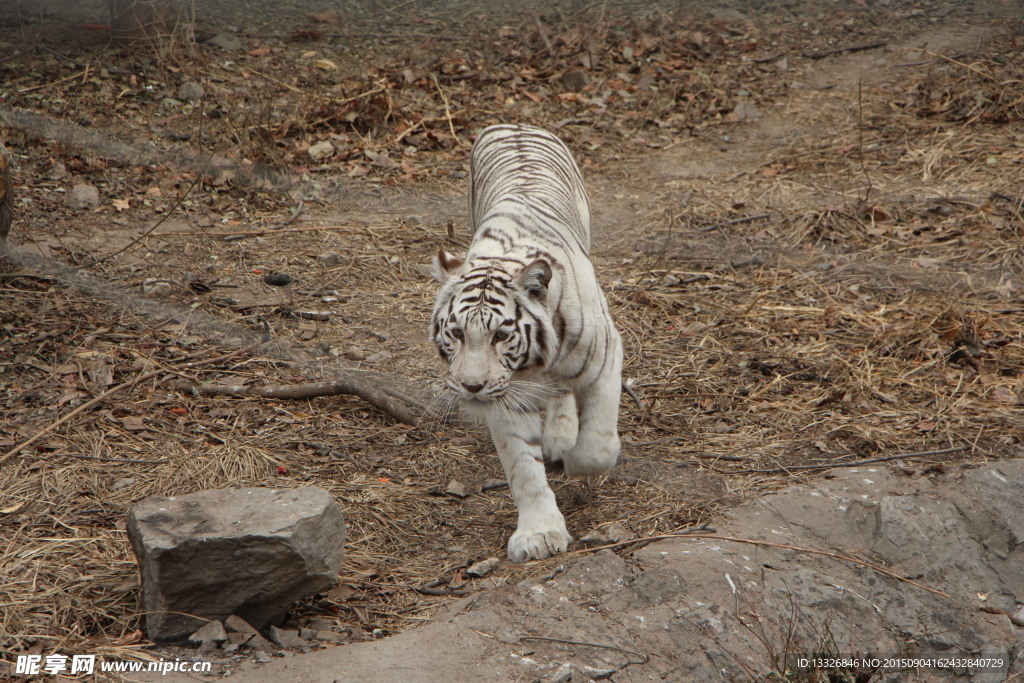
x=457 y=333
x=501 y=335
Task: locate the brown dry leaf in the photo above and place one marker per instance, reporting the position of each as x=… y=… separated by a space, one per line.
x=133 y=423
x=1003 y=395
x=121 y=205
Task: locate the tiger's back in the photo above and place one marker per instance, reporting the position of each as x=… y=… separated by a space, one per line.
x=524 y=178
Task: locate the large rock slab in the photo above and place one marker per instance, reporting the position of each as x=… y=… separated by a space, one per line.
x=747 y=602
x=250 y=552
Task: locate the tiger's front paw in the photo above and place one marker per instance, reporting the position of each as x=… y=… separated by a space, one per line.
x=536 y=544
x=555 y=445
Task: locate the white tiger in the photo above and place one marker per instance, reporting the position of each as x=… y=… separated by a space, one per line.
x=524 y=325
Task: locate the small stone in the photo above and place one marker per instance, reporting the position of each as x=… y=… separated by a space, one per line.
x=83 y=196
x=456 y=488
x=562 y=675
x=123 y=482
x=286 y=637
x=465 y=441
x=574 y=81
x=378 y=357
x=258 y=642
x=278 y=279
x=209 y=635
x=262 y=657
x=331 y=636
x=238 y=639
x=226 y=41
x=156 y=289
x=356 y=354
x=236 y=624
x=307 y=633
x=190 y=91
x=1017 y=617
x=598 y=674
x=744 y=111
x=613 y=533
x=329 y=260
x=483 y=567
x=321 y=151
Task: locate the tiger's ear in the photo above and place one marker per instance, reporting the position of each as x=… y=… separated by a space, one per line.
x=446 y=265
x=534 y=278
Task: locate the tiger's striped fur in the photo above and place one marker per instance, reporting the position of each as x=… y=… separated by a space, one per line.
x=524 y=326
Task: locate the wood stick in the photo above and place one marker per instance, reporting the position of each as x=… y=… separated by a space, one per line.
x=855 y=463
x=840 y=50
x=378 y=396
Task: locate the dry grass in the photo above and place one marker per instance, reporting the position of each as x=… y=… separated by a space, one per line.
x=875 y=311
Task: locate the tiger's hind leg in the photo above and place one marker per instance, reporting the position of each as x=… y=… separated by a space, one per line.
x=561 y=425
x=541 y=530
x=597 y=446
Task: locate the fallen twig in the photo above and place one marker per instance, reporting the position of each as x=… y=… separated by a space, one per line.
x=269 y=231
x=551 y=639
x=821 y=54
x=376 y=395
x=735 y=221
x=855 y=463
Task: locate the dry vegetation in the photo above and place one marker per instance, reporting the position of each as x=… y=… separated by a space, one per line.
x=849 y=294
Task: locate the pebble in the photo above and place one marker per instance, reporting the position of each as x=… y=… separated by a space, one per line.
x=483 y=567
x=226 y=41
x=190 y=91
x=321 y=151
x=210 y=634
x=155 y=289
x=356 y=354
x=378 y=357
x=287 y=637
x=83 y=196
x=330 y=259
x=456 y=488
x=278 y=279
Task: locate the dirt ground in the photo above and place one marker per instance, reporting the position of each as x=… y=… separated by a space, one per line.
x=808 y=220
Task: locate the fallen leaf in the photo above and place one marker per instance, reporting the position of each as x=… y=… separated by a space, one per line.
x=121 y=205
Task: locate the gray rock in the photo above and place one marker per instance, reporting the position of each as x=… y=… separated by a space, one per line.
x=190 y=91
x=329 y=260
x=286 y=637
x=226 y=41
x=744 y=110
x=246 y=552
x=83 y=196
x=575 y=81
x=321 y=150
x=210 y=635
x=331 y=636
x=237 y=624
x=483 y=567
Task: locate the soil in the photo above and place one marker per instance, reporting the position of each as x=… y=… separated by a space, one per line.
x=814 y=259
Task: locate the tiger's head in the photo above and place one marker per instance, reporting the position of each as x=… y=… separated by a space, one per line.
x=491 y=319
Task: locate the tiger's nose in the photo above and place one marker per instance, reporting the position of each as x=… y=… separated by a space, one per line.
x=472 y=388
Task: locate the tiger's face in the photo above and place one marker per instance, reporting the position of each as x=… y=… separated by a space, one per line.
x=490 y=321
